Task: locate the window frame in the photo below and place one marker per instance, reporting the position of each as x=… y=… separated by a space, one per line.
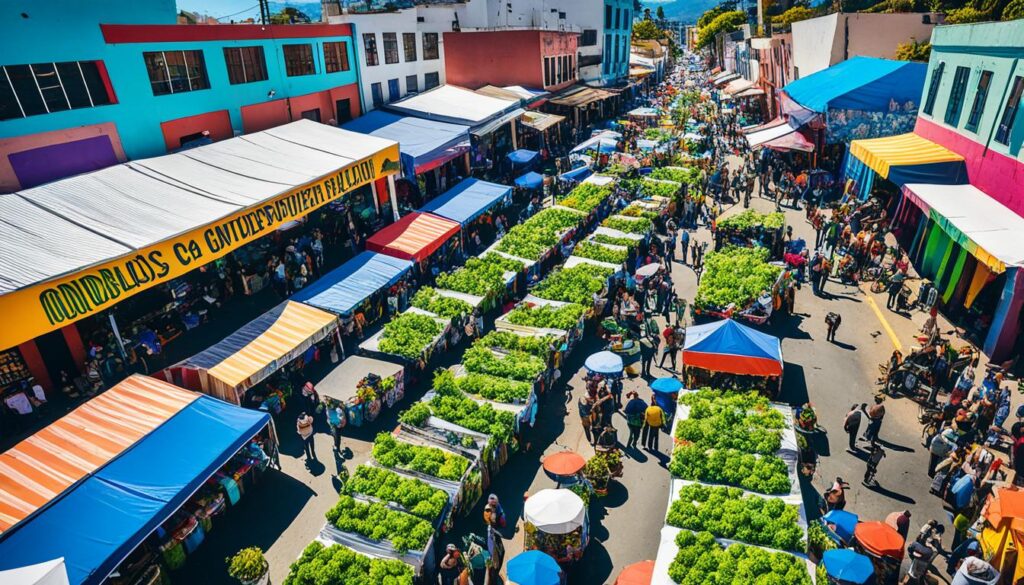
x=308 y=61
x=585 y=37
x=933 y=87
x=242 y=52
x=1004 y=131
x=426 y=80
x=980 y=97
x=413 y=87
x=377 y=94
x=409 y=47
x=390 y=44
x=203 y=81
x=957 y=93
x=434 y=51
x=370 y=49
x=95 y=88
x=330 y=57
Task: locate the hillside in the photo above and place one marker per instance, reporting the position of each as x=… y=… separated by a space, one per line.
x=685 y=10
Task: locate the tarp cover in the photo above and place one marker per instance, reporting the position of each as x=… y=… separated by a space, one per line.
x=905 y=153
x=779 y=135
x=605 y=141
x=727 y=346
x=48 y=573
x=540 y=121
x=468 y=200
x=989 y=231
x=530 y=180
x=522 y=156
x=102 y=519
x=414 y=237
x=860 y=83
x=457 y=105
x=341 y=383
x=424 y=141
x=344 y=288
x=580 y=95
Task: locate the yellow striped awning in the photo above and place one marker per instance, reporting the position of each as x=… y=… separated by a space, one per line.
x=881 y=154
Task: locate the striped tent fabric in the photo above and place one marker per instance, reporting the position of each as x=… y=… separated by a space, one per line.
x=881 y=154
x=40 y=468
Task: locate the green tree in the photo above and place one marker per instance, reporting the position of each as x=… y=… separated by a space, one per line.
x=646 y=30
x=794 y=14
x=706 y=18
x=913 y=51
x=965 y=15
x=1014 y=10
x=725 y=22
x=661 y=13
x=289 y=15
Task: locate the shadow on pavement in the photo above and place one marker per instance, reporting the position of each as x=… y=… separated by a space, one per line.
x=794 y=385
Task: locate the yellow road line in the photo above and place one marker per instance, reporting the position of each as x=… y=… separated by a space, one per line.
x=885 y=324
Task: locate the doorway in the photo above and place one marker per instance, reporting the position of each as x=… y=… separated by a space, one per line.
x=56 y=355
x=344 y=109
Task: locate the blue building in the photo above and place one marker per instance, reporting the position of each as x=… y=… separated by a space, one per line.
x=120 y=79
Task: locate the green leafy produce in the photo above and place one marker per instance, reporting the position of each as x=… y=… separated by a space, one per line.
x=415 y=495
x=409 y=334
x=702 y=561
x=390 y=452
x=638 y=211
x=515 y=364
x=606 y=239
x=546 y=317
x=340 y=565
x=729 y=513
x=480 y=276
x=767 y=474
x=484 y=386
x=586 y=197
x=659 y=188
x=678 y=174
x=503 y=262
x=731 y=421
x=586 y=249
x=750 y=219
x=404 y=531
x=735 y=276
x=429 y=300
x=657 y=134
x=640 y=225
x=532 y=238
x=415 y=415
x=539 y=345
x=617 y=170
x=457 y=408
x=574 y=285
x=818 y=540
x=707 y=402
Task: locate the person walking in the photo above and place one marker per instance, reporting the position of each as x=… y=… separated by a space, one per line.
x=684 y=241
x=921 y=556
x=895 y=286
x=648 y=349
x=336 y=420
x=585 y=407
x=876 y=412
x=670 y=347
x=450 y=565
x=852 y=424
x=900 y=521
x=654 y=420
x=832 y=321
x=304 y=427
x=635 y=412
x=875 y=457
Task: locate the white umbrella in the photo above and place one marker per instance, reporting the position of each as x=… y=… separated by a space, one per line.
x=555 y=511
x=48 y=573
x=648 y=269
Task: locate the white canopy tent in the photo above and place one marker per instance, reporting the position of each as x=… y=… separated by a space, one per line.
x=457 y=105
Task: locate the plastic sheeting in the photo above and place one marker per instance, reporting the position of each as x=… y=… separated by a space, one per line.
x=727 y=346
x=48 y=573
x=530 y=180
x=522 y=156
x=102 y=519
x=414 y=237
x=860 y=83
x=777 y=134
x=457 y=105
x=468 y=200
x=423 y=141
x=344 y=288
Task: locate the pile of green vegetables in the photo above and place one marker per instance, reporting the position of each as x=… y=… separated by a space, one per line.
x=615 y=241
x=340 y=565
x=415 y=495
x=546 y=317
x=640 y=225
x=735 y=276
x=390 y=452
x=729 y=513
x=586 y=197
x=538 y=345
x=688 y=175
x=765 y=474
x=513 y=364
x=532 y=238
x=745 y=422
x=702 y=561
x=659 y=188
x=574 y=285
x=751 y=219
x=483 y=385
x=657 y=134
x=587 y=249
x=428 y=299
x=404 y=531
x=480 y=276
x=457 y=408
x=409 y=335
x=634 y=210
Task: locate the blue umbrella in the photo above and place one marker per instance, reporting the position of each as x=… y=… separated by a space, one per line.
x=533 y=568
x=604 y=362
x=844 y=523
x=666 y=385
x=848 y=566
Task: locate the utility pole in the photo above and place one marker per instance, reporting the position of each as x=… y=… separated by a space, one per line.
x=264 y=12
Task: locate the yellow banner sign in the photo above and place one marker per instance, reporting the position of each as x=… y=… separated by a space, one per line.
x=44 y=307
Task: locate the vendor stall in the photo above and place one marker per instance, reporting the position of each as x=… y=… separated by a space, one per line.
x=718 y=353
x=883 y=545
x=422 y=237
x=140 y=495
x=739 y=283
x=362 y=387
x=469 y=200
x=287 y=333
x=902 y=159
x=1002 y=535
x=411 y=336
x=356 y=287
x=556 y=522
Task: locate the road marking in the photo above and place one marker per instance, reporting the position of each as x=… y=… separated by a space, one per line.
x=885 y=324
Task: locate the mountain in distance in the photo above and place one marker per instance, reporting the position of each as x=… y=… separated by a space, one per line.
x=687 y=11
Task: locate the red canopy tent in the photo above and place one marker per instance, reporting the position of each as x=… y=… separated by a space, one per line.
x=414 y=237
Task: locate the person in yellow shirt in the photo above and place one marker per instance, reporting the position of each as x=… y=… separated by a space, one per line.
x=654 y=420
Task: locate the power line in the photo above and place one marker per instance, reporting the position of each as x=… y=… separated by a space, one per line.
x=239 y=12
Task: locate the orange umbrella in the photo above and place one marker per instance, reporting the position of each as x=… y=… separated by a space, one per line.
x=637 y=574
x=879 y=539
x=564 y=464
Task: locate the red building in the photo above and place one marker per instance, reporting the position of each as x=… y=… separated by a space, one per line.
x=531 y=58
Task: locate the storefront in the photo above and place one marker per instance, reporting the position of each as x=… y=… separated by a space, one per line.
x=902 y=159
x=138 y=498
x=582 y=104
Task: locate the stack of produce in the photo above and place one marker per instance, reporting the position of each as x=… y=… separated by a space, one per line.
x=751 y=219
x=640 y=225
x=534 y=237
x=390 y=452
x=483 y=385
x=538 y=345
x=404 y=531
x=428 y=299
x=480 y=276
x=735 y=276
x=586 y=197
x=634 y=210
x=690 y=176
x=340 y=565
x=546 y=317
x=659 y=188
x=702 y=560
x=729 y=513
x=415 y=496
x=613 y=240
x=457 y=408
x=409 y=335
x=601 y=253
x=514 y=365
x=574 y=285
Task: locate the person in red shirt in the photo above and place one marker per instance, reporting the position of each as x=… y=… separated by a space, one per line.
x=671 y=347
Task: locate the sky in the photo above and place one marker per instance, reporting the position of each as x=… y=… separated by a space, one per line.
x=220 y=8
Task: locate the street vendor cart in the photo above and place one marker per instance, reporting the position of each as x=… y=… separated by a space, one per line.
x=362 y=387
x=726 y=354
x=556 y=522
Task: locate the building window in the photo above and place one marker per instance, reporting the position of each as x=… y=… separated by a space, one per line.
x=431 y=80
x=933 y=88
x=607 y=16
x=378 y=94
x=430 y=51
x=245 y=64
x=980 y=96
x=956 y=96
x=394 y=90
x=588 y=38
x=1010 y=112
x=625 y=18
x=335 y=57
x=390 y=48
x=370 y=47
x=311 y=114
x=412 y=84
x=28 y=90
x=298 y=60
x=409 y=43
x=547 y=72
x=618 y=18
x=176 y=71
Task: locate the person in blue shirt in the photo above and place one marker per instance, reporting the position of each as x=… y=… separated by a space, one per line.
x=634 y=412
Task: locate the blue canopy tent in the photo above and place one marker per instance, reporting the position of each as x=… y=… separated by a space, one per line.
x=605 y=141
x=534 y=567
x=666 y=391
x=344 y=288
x=100 y=520
x=862 y=97
x=424 y=144
x=576 y=175
x=727 y=346
x=468 y=200
x=530 y=180
x=523 y=157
